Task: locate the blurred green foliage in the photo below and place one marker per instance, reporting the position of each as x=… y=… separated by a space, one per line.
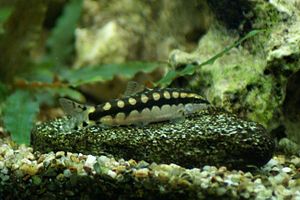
x=60 y=41
x=19 y=114
x=5 y=12
x=37 y=82
x=106 y=72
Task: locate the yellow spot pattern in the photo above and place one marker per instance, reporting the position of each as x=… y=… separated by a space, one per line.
x=144 y=98
x=156 y=96
x=120 y=104
x=167 y=95
x=183 y=95
x=175 y=95
x=107 y=106
x=132 y=101
x=191 y=95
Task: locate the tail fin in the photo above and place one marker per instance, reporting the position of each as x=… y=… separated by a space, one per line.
x=76 y=110
x=71 y=107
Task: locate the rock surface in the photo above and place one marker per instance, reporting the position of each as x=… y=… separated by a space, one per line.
x=260 y=78
x=212 y=137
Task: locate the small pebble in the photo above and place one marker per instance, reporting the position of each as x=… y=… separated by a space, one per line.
x=296 y=161
x=278 y=179
x=59 y=154
x=111 y=173
x=141 y=173
x=90 y=161
x=30 y=169
x=286 y=169
x=67 y=173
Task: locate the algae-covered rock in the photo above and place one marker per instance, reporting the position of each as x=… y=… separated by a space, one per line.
x=212 y=137
x=257 y=79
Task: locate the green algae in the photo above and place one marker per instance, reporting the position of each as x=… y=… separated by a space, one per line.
x=235 y=81
x=255 y=80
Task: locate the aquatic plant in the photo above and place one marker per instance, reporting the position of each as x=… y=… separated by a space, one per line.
x=191 y=69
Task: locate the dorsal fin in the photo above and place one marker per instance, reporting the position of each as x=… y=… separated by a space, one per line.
x=133 y=88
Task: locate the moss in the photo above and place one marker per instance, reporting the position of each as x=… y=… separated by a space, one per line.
x=212 y=137
x=252 y=79
x=236 y=81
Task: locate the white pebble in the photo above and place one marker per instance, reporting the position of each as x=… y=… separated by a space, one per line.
x=278 y=178
x=257 y=181
x=67 y=173
x=272 y=162
x=1 y=165
x=111 y=173
x=30 y=156
x=220 y=191
x=103 y=159
x=9 y=153
x=4 y=178
x=90 y=161
x=286 y=169
x=4 y=171
x=25 y=160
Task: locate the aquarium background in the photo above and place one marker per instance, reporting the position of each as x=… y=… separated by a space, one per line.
x=242 y=56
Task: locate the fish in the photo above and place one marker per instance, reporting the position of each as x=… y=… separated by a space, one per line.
x=139 y=106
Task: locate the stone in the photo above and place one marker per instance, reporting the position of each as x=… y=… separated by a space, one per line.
x=211 y=137
x=259 y=79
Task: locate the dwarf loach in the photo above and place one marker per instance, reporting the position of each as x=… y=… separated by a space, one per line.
x=144 y=125
x=140 y=108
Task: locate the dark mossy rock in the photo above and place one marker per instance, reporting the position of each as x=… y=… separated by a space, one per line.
x=212 y=137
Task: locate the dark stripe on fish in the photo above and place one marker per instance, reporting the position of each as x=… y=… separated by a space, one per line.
x=139 y=106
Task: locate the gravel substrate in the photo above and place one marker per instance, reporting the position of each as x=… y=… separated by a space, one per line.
x=65 y=175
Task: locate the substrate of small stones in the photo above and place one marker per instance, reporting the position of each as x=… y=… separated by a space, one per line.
x=65 y=175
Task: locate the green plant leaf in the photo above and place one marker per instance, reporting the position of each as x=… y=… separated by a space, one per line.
x=191 y=69
x=19 y=114
x=106 y=72
x=5 y=12
x=47 y=95
x=60 y=41
x=168 y=78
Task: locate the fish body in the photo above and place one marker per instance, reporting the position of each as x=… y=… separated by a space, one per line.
x=141 y=108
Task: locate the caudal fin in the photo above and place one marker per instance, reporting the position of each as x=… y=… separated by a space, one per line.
x=71 y=107
x=78 y=112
